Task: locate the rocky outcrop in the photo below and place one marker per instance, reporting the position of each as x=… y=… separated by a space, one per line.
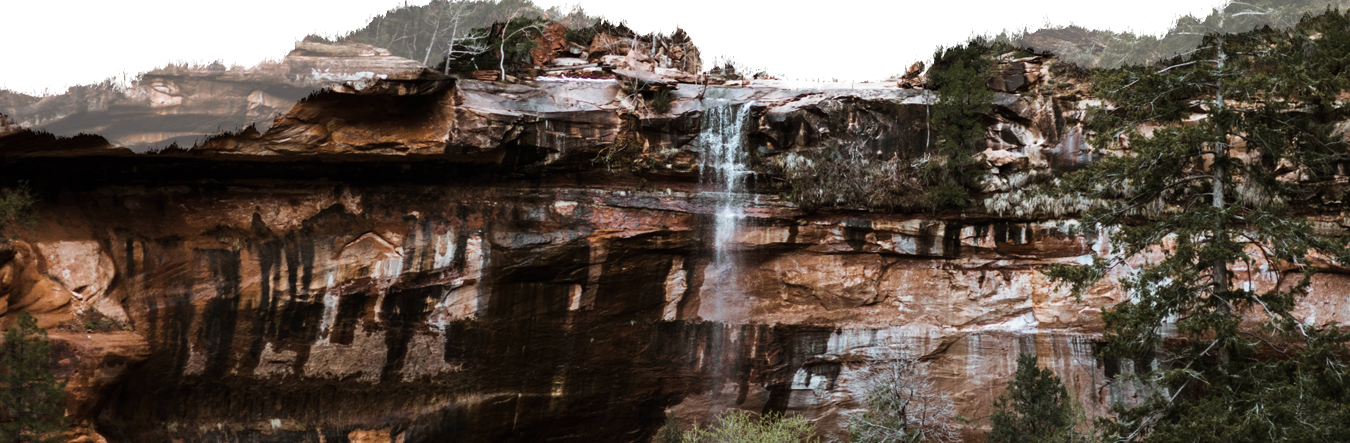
x=181 y=105
x=433 y=260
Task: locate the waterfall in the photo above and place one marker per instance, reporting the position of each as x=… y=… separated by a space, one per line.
x=723 y=174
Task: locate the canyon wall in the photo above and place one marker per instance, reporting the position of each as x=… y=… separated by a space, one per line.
x=423 y=259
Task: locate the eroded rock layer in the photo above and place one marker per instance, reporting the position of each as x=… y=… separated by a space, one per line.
x=468 y=263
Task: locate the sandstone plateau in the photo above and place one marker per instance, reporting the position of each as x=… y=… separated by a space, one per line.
x=400 y=256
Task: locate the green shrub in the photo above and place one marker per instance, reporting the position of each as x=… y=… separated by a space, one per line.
x=672 y=432
x=959 y=76
x=660 y=101
x=513 y=54
x=1036 y=408
x=14 y=206
x=737 y=426
x=32 y=400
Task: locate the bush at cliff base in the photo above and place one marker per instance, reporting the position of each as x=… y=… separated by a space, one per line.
x=31 y=398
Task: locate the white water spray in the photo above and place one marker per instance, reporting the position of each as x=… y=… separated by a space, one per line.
x=724 y=173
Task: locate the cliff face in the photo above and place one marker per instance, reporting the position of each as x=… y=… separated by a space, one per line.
x=423 y=259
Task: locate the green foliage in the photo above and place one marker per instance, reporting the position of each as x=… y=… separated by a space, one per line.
x=737 y=426
x=959 y=75
x=1078 y=277
x=672 y=432
x=1110 y=49
x=507 y=45
x=1300 y=395
x=14 y=206
x=32 y=405
x=431 y=32
x=92 y=321
x=584 y=35
x=660 y=100
x=848 y=177
x=1196 y=196
x=1036 y=408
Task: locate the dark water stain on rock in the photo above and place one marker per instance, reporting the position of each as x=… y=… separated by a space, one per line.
x=220 y=316
x=402 y=313
x=951 y=240
x=351 y=308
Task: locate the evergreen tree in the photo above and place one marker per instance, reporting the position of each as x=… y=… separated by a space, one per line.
x=959 y=76
x=672 y=432
x=1241 y=146
x=1036 y=408
x=32 y=408
x=14 y=205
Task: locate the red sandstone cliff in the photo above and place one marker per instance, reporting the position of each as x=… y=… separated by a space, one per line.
x=427 y=259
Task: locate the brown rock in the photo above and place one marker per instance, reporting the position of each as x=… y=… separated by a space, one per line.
x=457 y=262
x=486 y=76
x=185 y=104
x=24 y=287
x=551 y=42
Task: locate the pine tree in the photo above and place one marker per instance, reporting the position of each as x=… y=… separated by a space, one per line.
x=14 y=207
x=672 y=432
x=959 y=76
x=32 y=408
x=1215 y=194
x=1036 y=408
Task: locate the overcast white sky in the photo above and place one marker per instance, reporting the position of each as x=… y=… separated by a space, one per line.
x=53 y=44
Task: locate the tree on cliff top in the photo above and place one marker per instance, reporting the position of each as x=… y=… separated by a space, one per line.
x=1113 y=49
x=32 y=408
x=959 y=76
x=442 y=28
x=1036 y=408
x=1210 y=202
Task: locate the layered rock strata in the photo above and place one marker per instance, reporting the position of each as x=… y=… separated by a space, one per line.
x=475 y=261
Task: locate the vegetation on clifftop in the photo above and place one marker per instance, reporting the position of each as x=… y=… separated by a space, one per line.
x=460 y=37
x=941 y=176
x=1210 y=159
x=441 y=28
x=1113 y=49
x=959 y=76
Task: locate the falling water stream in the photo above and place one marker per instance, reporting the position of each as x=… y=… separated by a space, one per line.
x=724 y=173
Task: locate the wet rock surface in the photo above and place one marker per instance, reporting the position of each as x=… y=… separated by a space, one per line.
x=439 y=260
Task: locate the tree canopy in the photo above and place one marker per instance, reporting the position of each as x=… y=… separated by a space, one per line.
x=32 y=408
x=1214 y=164
x=959 y=75
x=1036 y=408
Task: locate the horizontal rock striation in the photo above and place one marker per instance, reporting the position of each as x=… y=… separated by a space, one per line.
x=428 y=259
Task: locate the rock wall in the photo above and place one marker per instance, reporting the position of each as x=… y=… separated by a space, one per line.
x=461 y=264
